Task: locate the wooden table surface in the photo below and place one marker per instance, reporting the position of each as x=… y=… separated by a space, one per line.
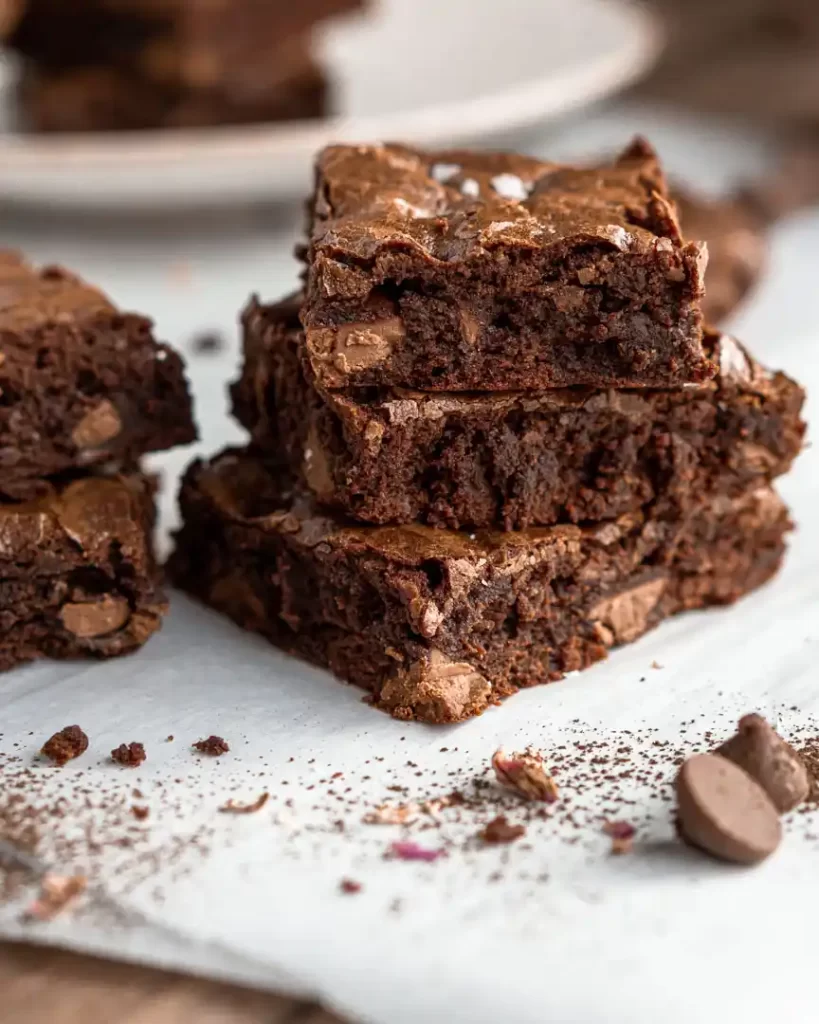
x=44 y=986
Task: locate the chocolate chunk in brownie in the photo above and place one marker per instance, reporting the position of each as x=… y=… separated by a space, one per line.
x=80 y=381
x=77 y=572
x=438 y=625
x=487 y=271
x=736 y=234
x=513 y=459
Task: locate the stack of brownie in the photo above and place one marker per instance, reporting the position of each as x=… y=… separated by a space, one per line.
x=85 y=391
x=97 y=65
x=492 y=439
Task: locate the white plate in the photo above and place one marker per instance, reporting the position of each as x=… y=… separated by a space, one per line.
x=430 y=72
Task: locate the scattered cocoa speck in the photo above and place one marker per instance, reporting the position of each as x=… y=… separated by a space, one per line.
x=57 y=893
x=207 y=342
x=525 y=774
x=231 y=807
x=129 y=755
x=500 y=831
x=213 y=746
x=65 y=745
x=140 y=813
x=622 y=836
x=350 y=887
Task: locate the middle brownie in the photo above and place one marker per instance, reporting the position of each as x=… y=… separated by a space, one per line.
x=512 y=459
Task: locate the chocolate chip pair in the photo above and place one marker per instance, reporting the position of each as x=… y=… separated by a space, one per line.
x=730 y=801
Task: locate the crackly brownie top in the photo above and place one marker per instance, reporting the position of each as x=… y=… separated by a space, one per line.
x=78 y=523
x=31 y=297
x=454 y=205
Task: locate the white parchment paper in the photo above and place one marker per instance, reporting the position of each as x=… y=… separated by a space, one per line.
x=550 y=930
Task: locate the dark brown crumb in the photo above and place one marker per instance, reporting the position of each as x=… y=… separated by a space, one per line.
x=140 y=813
x=231 y=807
x=500 y=831
x=213 y=745
x=347 y=885
x=65 y=745
x=622 y=836
x=169 y=739
x=206 y=342
x=129 y=755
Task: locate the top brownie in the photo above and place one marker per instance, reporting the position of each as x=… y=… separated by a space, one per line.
x=489 y=271
x=81 y=383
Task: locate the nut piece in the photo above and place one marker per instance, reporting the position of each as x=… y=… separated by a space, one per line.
x=99 y=425
x=525 y=774
x=65 y=745
x=766 y=757
x=723 y=811
x=90 y=619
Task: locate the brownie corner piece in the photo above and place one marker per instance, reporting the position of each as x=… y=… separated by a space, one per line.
x=78 y=575
x=472 y=271
x=438 y=625
x=82 y=382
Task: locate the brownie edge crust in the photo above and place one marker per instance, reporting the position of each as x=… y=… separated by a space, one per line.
x=439 y=625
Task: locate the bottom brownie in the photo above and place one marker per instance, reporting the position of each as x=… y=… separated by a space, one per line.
x=77 y=572
x=98 y=99
x=438 y=625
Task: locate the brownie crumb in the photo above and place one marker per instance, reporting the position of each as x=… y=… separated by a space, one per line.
x=169 y=739
x=140 y=813
x=500 y=831
x=214 y=746
x=406 y=850
x=207 y=342
x=129 y=755
x=350 y=887
x=57 y=892
x=622 y=836
x=65 y=745
x=231 y=807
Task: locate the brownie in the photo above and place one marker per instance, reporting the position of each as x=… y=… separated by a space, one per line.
x=735 y=231
x=80 y=381
x=77 y=574
x=513 y=459
x=197 y=45
x=438 y=625
x=459 y=271
x=98 y=99
x=10 y=12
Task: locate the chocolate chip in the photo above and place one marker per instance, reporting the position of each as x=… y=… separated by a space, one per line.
x=723 y=811
x=766 y=757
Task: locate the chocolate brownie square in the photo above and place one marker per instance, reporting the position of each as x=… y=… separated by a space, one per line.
x=80 y=381
x=513 y=459
x=438 y=625
x=77 y=572
x=459 y=271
